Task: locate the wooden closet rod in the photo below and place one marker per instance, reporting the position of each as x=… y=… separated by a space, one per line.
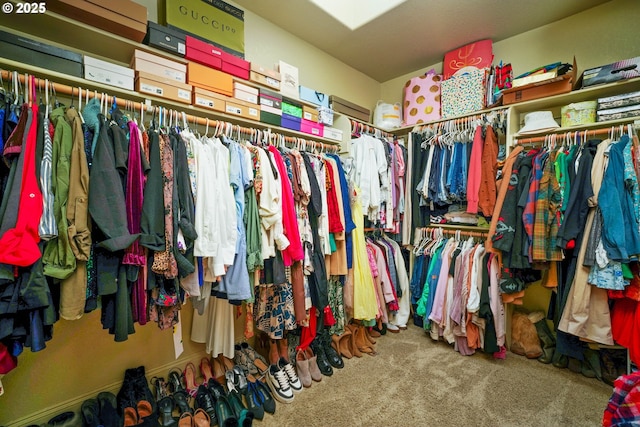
x=74 y=92
x=459 y=120
x=358 y=126
x=523 y=140
x=480 y=234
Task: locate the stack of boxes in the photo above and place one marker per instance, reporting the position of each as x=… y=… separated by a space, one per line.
x=619 y=107
x=270 y=107
x=291 y=114
x=160 y=77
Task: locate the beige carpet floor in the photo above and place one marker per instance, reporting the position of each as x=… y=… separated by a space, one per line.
x=414 y=381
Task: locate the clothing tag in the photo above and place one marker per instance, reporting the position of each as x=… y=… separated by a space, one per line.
x=177 y=337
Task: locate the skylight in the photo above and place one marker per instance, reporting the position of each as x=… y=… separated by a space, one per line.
x=353 y=14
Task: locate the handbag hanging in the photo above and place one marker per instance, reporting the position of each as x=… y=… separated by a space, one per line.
x=422 y=98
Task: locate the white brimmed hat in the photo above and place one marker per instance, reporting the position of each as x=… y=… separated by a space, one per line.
x=538 y=121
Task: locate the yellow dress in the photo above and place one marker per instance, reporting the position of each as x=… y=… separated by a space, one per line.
x=365 y=304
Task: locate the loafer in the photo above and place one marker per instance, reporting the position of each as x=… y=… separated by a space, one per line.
x=108 y=404
x=90 y=410
x=243 y=415
x=66 y=419
x=266 y=398
x=205 y=401
x=254 y=402
x=224 y=413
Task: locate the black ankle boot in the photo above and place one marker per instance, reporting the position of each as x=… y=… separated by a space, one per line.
x=126 y=394
x=321 y=357
x=332 y=356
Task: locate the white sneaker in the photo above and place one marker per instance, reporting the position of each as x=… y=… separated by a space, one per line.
x=392 y=328
x=292 y=376
x=278 y=382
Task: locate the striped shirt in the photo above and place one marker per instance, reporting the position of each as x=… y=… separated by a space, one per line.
x=47 y=228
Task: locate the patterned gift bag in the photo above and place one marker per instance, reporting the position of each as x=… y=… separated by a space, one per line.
x=422 y=98
x=463 y=93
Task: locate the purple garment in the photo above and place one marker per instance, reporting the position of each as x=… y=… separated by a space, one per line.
x=134 y=254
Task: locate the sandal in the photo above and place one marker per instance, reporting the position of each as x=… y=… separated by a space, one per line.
x=206 y=370
x=189 y=375
x=236 y=380
x=218 y=370
x=178 y=391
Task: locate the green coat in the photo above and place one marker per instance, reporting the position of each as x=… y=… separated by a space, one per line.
x=58 y=259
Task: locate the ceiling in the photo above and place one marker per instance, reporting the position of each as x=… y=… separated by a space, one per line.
x=415 y=34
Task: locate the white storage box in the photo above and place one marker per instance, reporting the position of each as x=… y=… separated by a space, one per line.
x=108 y=73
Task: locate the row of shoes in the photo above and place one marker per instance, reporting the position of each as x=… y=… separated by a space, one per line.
x=202 y=400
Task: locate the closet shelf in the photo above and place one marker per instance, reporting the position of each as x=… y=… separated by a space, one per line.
x=56 y=77
x=80 y=37
x=587 y=94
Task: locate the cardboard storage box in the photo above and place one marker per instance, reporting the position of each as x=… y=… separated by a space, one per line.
x=264 y=76
x=27 y=51
x=214 y=57
x=332 y=133
x=210 y=100
x=621 y=70
x=618 y=113
x=340 y=105
x=125 y=18
x=309 y=113
x=154 y=64
x=268 y=116
x=210 y=79
x=291 y=107
x=631 y=98
x=162 y=87
x=314 y=97
x=238 y=107
x=578 y=113
x=246 y=93
x=555 y=86
x=271 y=99
x=108 y=73
x=312 y=128
x=165 y=38
x=291 y=122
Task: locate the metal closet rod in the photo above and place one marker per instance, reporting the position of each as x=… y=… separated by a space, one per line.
x=80 y=92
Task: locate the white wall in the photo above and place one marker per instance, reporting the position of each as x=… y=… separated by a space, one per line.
x=597 y=36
